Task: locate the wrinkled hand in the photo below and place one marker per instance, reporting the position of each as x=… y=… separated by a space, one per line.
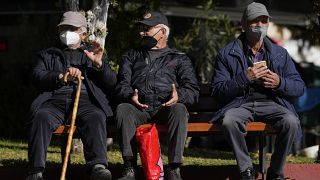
x=135 y=100
x=271 y=80
x=96 y=55
x=72 y=74
x=174 y=97
x=256 y=72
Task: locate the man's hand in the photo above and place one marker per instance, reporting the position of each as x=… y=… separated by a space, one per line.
x=271 y=80
x=256 y=72
x=135 y=100
x=71 y=74
x=174 y=97
x=96 y=55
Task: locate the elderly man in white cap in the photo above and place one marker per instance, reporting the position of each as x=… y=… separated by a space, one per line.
x=254 y=79
x=71 y=58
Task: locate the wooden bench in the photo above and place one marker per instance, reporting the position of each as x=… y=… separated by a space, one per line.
x=198 y=125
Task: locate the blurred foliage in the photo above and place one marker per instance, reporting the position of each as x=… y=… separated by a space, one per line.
x=204 y=39
x=314 y=26
x=316 y=7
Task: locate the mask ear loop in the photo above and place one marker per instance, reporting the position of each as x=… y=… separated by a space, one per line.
x=156 y=32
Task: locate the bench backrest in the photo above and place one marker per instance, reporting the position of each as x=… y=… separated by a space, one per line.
x=204 y=109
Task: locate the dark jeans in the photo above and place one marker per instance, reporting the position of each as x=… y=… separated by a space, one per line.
x=285 y=121
x=91 y=125
x=128 y=117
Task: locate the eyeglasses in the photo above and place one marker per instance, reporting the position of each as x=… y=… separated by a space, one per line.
x=145 y=28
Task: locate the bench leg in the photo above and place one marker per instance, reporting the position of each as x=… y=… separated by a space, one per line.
x=262 y=154
x=64 y=141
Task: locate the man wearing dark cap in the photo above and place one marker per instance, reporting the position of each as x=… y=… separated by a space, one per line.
x=155 y=84
x=254 y=79
x=72 y=59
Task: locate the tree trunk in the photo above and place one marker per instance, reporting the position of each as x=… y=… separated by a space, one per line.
x=72 y=5
x=97 y=21
x=96 y=18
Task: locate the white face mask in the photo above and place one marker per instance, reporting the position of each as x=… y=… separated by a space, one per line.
x=70 y=38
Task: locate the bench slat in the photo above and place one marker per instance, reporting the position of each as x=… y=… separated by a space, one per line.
x=193 y=128
x=216 y=128
x=63 y=129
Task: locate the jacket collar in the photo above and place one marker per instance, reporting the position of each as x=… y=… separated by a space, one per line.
x=237 y=46
x=169 y=51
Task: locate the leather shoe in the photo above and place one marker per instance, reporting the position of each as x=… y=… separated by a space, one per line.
x=273 y=176
x=174 y=174
x=100 y=172
x=35 y=176
x=128 y=174
x=248 y=174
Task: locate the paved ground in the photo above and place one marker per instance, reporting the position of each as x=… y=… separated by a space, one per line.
x=293 y=171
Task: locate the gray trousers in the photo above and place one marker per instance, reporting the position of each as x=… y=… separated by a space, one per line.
x=128 y=117
x=286 y=122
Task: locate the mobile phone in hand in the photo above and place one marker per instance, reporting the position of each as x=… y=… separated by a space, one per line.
x=260 y=64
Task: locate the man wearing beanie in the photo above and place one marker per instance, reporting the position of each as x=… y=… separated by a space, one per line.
x=53 y=106
x=255 y=79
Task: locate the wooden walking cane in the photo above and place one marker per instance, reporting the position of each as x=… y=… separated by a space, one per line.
x=73 y=120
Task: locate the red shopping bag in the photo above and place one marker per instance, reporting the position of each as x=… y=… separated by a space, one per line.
x=150 y=152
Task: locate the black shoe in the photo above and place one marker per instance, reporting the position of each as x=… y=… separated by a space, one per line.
x=273 y=176
x=248 y=174
x=100 y=172
x=35 y=176
x=128 y=174
x=174 y=174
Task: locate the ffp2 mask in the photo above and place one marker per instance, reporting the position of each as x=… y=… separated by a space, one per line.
x=69 y=38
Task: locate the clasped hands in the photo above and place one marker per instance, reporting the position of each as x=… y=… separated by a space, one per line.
x=172 y=101
x=268 y=78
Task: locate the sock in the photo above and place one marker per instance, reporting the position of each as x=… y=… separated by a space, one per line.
x=130 y=163
x=36 y=170
x=174 y=165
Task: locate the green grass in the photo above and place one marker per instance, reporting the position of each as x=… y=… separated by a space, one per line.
x=14 y=153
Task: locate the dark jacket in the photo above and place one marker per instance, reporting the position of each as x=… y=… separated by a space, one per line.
x=229 y=82
x=51 y=62
x=154 y=79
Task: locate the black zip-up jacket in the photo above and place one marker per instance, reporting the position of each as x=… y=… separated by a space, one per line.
x=154 y=79
x=51 y=62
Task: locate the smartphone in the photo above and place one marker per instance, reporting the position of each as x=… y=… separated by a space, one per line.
x=260 y=64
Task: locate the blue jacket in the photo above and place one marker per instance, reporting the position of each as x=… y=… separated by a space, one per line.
x=229 y=82
x=51 y=62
